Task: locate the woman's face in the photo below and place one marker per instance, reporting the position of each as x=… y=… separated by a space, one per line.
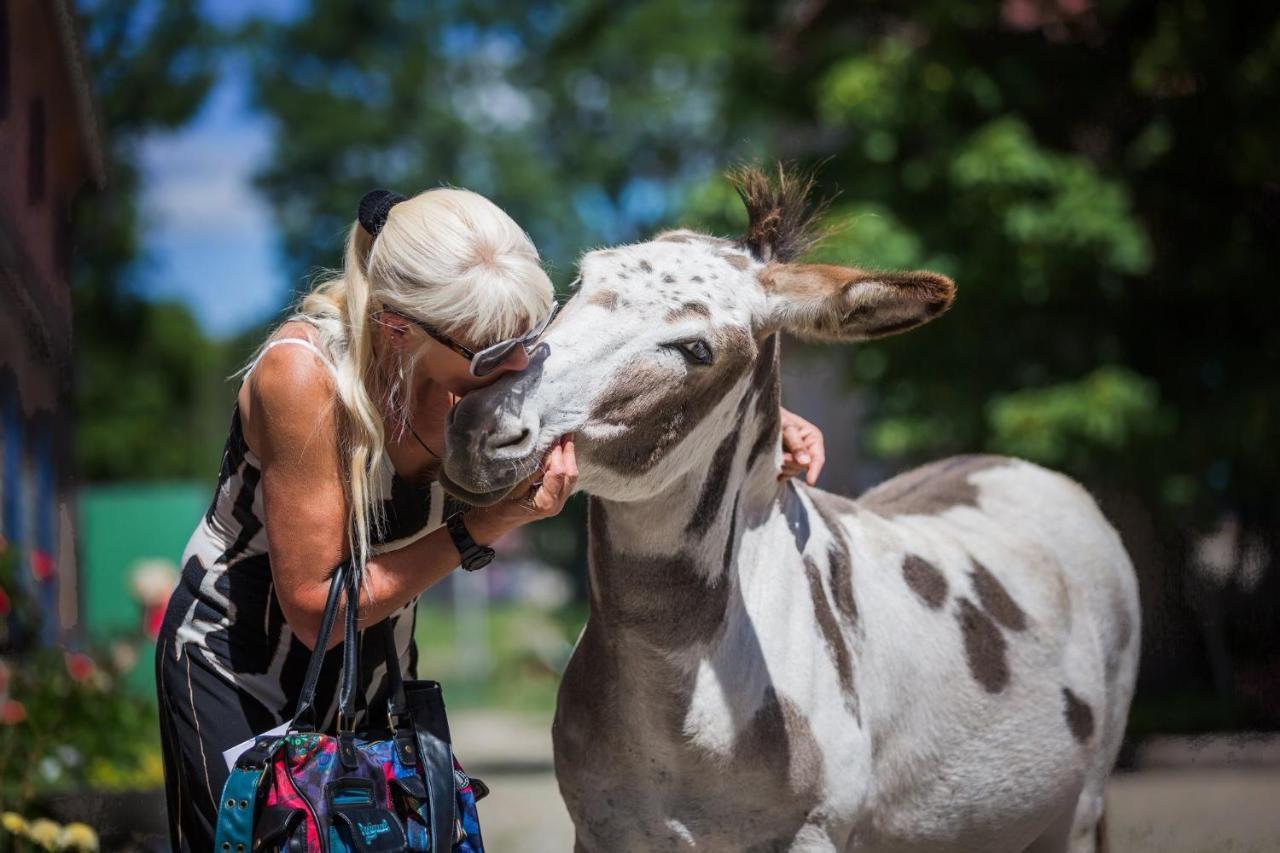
x=442 y=365
x=452 y=370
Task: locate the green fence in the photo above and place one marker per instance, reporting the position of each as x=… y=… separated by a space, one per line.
x=121 y=525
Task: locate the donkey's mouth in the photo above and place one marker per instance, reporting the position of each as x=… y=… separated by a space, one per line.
x=481 y=481
x=474 y=498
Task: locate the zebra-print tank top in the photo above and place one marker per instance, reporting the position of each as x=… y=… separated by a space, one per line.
x=225 y=607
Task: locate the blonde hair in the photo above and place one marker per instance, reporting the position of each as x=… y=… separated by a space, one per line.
x=448 y=257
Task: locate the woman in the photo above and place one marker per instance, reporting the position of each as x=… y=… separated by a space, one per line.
x=333 y=450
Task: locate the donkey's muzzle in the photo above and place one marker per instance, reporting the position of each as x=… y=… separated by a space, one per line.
x=489 y=448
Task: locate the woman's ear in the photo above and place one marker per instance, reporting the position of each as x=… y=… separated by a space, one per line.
x=394 y=330
x=835 y=303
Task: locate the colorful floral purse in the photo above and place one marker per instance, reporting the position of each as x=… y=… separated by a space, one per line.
x=306 y=791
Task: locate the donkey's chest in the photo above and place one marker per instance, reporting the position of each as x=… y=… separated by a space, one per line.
x=691 y=765
x=641 y=790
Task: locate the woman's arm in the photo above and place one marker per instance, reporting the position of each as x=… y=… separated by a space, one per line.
x=295 y=416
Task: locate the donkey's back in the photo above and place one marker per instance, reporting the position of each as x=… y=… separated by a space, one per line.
x=1000 y=616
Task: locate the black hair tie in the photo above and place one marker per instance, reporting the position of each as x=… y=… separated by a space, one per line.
x=374 y=208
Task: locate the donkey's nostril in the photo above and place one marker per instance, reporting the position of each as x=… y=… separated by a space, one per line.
x=511 y=439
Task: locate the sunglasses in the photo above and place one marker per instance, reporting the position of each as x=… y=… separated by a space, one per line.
x=489 y=359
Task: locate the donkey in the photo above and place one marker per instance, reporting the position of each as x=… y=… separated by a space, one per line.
x=945 y=663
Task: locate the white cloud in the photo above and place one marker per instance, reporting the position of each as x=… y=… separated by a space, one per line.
x=209 y=235
x=200 y=178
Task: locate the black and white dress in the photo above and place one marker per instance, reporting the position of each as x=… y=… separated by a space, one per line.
x=228 y=666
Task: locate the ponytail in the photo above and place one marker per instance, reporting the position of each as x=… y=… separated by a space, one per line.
x=363 y=438
x=340 y=308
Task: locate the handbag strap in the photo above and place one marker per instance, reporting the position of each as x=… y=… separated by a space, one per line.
x=397 y=705
x=350 y=653
x=398 y=714
x=345 y=581
x=436 y=750
x=304 y=718
x=239 y=803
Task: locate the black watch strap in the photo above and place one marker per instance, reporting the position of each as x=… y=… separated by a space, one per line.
x=474 y=556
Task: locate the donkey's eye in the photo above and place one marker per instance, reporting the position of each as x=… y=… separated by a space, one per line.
x=696 y=351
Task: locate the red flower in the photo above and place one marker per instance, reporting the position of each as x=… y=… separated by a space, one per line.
x=80 y=666
x=5 y=605
x=42 y=567
x=152 y=620
x=12 y=712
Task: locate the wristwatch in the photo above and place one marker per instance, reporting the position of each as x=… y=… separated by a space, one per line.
x=474 y=556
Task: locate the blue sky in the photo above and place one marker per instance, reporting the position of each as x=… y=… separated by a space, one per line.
x=210 y=238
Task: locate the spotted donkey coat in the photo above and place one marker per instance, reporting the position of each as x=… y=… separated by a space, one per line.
x=945 y=663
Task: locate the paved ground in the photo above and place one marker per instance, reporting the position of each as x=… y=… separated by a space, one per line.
x=1191 y=808
x=524 y=813
x=1194 y=810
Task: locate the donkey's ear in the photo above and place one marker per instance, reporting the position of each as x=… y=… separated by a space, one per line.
x=836 y=303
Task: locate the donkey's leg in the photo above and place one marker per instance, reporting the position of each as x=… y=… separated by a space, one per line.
x=1057 y=836
x=812 y=839
x=1088 y=833
x=1078 y=829
x=1069 y=835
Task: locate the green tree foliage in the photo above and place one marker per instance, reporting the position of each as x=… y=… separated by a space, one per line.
x=1109 y=409
x=144 y=370
x=1100 y=179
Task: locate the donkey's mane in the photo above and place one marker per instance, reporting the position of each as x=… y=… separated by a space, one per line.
x=780 y=216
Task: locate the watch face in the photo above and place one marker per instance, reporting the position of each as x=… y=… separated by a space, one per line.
x=478 y=560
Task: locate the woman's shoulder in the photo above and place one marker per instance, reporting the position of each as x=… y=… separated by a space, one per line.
x=292 y=363
x=290 y=389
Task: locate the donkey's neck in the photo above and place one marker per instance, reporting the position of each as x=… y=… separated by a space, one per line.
x=663 y=569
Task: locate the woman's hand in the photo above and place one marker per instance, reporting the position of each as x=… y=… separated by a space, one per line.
x=541 y=496
x=802 y=448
